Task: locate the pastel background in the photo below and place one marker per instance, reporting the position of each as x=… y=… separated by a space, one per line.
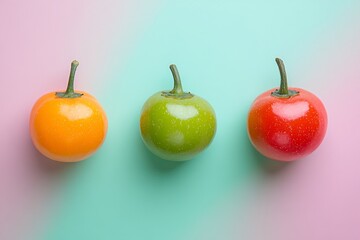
x=225 y=53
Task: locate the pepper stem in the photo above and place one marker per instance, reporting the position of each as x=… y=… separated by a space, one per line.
x=283 y=83
x=177 y=81
x=283 y=91
x=69 y=93
x=177 y=91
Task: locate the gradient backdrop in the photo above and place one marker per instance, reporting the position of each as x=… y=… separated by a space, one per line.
x=225 y=53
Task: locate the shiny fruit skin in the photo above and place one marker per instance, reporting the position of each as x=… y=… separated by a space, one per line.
x=177 y=129
x=67 y=129
x=286 y=129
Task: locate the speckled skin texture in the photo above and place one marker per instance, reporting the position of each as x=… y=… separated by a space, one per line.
x=177 y=129
x=67 y=129
x=287 y=129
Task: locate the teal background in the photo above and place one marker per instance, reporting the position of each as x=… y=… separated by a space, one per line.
x=225 y=53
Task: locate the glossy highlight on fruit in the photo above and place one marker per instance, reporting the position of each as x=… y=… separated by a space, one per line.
x=286 y=124
x=68 y=126
x=177 y=125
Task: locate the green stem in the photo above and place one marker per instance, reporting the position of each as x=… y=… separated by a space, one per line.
x=283 y=91
x=283 y=84
x=177 y=92
x=69 y=93
x=177 y=81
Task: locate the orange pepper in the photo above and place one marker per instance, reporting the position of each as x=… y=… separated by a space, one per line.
x=68 y=126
